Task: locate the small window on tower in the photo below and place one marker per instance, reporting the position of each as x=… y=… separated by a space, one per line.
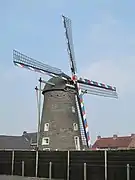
x=75 y=126
x=46 y=149
x=73 y=109
x=45 y=141
x=46 y=127
x=77 y=143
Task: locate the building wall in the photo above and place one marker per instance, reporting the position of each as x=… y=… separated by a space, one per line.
x=132 y=144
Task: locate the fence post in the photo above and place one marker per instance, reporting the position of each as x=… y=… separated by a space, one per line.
x=50 y=170
x=68 y=161
x=22 y=168
x=128 y=172
x=13 y=157
x=105 y=164
x=85 y=171
x=36 y=163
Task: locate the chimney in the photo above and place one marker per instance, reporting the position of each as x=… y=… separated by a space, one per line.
x=98 y=137
x=132 y=135
x=26 y=136
x=115 y=136
x=24 y=133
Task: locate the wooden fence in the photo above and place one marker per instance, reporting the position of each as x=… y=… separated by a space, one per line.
x=70 y=165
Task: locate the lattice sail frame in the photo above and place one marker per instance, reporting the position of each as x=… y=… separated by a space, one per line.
x=84 y=117
x=70 y=47
x=23 y=61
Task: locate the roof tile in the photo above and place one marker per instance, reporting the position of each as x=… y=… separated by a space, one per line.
x=111 y=142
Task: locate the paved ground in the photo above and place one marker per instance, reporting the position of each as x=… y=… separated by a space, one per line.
x=4 y=177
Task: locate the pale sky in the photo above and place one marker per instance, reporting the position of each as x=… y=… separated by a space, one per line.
x=104 y=43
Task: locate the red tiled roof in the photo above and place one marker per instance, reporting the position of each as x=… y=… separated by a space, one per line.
x=110 y=142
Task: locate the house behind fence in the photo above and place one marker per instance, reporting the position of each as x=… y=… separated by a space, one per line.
x=115 y=142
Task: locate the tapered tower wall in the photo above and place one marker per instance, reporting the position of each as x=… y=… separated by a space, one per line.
x=59 y=119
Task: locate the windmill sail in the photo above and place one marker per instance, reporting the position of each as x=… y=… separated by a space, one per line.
x=70 y=49
x=98 y=91
x=95 y=88
x=83 y=115
x=84 y=140
x=96 y=84
x=24 y=61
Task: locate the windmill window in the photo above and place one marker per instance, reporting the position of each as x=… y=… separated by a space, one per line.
x=75 y=126
x=77 y=143
x=73 y=109
x=45 y=141
x=46 y=127
x=46 y=149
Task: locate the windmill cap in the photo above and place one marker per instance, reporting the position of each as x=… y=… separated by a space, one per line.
x=60 y=84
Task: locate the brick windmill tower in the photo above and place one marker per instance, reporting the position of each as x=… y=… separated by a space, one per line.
x=63 y=124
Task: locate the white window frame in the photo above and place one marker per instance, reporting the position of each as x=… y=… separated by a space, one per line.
x=75 y=126
x=46 y=149
x=73 y=109
x=44 y=139
x=46 y=127
x=77 y=143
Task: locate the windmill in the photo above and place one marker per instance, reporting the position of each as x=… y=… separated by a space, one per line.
x=63 y=124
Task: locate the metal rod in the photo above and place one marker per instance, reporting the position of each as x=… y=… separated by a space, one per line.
x=36 y=163
x=13 y=157
x=105 y=164
x=68 y=164
x=39 y=112
x=22 y=168
x=128 y=172
x=85 y=171
x=50 y=170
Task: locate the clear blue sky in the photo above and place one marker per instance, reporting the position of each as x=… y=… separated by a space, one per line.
x=104 y=40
